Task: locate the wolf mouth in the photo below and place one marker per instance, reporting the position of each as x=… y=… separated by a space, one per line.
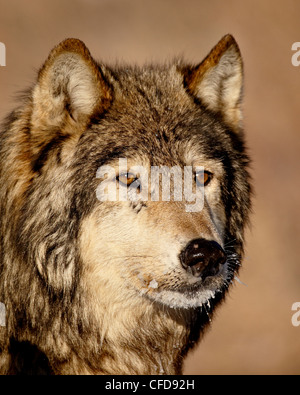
x=192 y=295
x=186 y=300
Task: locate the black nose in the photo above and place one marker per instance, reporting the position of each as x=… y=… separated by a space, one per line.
x=203 y=258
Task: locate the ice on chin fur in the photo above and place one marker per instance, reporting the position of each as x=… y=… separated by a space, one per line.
x=190 y=298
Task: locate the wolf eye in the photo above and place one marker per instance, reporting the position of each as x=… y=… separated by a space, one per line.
x=126 y=179
x=203 y=178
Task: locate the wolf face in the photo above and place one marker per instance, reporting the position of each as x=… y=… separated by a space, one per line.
x=176 y=125
x=87 y=260
x=149 y=251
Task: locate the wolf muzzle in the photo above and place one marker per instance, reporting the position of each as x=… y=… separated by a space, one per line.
x=203 y=258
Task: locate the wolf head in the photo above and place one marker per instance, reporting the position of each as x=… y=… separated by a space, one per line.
x=84 y=115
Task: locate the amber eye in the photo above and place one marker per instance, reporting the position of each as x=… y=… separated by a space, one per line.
x=126 y=179
x=203 y=178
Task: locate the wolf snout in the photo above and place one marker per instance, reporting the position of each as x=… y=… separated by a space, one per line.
x=203 y=258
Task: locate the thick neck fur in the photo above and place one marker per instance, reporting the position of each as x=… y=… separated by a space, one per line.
x=147 y=339
x=139 y=340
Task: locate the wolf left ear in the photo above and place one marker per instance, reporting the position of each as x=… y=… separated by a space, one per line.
x=70 y=87
x=218 y=81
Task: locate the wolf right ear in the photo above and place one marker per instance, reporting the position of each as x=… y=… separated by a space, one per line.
x=218 y=81
x=70 y=86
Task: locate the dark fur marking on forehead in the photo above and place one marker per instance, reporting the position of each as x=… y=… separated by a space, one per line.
x=41 y=158
x=162 y=134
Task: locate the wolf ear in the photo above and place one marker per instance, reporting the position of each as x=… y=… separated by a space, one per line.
x=218 y=81
x=70 y=87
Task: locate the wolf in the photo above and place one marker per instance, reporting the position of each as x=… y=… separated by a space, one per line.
x=113 y=286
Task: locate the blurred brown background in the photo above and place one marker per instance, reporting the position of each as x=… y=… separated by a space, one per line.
x=252 y=332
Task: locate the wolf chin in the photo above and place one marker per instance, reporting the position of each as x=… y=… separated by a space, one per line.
x=118 y=287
